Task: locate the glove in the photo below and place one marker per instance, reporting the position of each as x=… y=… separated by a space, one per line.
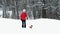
x=26 y=17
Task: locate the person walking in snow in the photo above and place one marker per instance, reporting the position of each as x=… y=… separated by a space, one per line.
x=24 y=17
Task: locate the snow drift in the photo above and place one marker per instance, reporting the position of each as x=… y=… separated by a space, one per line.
x=40 y=26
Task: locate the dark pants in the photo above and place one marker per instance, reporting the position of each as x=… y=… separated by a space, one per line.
x=23 y=23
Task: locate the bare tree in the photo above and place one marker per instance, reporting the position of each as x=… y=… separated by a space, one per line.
x=4 y=8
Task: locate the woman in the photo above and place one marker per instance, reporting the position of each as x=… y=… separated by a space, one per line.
x=23 y=18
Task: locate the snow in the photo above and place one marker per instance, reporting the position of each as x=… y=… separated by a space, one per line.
x=40 y=26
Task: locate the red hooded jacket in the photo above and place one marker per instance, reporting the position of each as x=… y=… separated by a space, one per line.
x=23 y=16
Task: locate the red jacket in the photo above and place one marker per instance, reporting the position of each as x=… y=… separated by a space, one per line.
x=23 y=16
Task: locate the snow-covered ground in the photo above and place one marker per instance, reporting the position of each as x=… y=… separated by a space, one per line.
x=40 y=26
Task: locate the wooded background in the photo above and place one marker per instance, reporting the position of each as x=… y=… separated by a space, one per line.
x=35 y=8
